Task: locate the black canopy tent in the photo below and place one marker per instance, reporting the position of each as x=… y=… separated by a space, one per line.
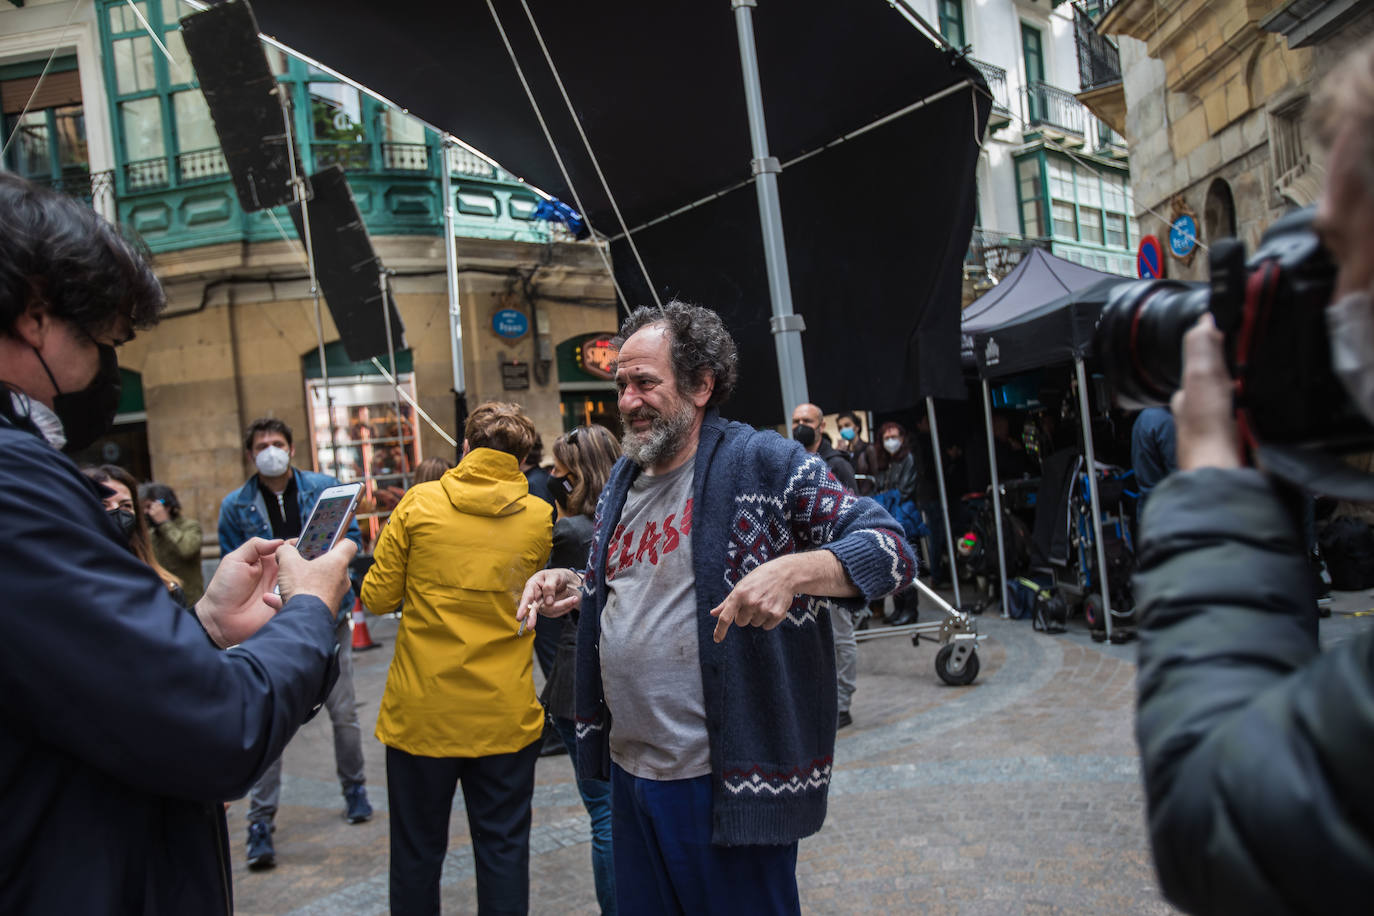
x=1032 y=335
x=876 y=128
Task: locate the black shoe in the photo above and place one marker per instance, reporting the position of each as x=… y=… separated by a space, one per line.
x=906 y=616
x=260 y=852
x=845 y=719
x=358 y=807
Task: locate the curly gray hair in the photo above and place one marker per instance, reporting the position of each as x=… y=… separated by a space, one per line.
x=699 y=344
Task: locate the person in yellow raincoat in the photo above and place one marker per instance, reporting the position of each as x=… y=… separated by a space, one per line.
x=460 y=704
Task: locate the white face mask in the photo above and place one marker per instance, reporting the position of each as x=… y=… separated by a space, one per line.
x=272 y=461
x=1350 y=326
x=893 y=446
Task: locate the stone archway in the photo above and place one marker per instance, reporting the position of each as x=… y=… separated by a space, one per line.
x=1219 y=212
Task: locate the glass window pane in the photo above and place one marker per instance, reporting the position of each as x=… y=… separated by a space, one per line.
x=1090 y=225
x=181 y=71
x=1032 y=224
x=133 y=60
x=195 y=130
x=142 y=123
x=173 y=10
x=30 y=151
x=1089 y=188
x=70 y=122
x=336 y=112
x=1064 y=224
x=1115 y=226
x=1061 y=179
x=122 y=19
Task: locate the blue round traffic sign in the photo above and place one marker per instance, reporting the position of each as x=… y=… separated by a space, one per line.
x=1182 y=235
x=510 y=324
x=1149 y=259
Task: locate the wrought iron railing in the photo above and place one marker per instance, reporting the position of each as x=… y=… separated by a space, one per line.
x=147 y=174
x=992 y=254
x=1051 y=106
x=202 y=165
x=352 y=157
x=405 y=157
x=996 y=79
x=96 y=189
x=463 y=162
x=1099 y=61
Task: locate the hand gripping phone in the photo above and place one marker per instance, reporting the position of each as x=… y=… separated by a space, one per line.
x=328 y=520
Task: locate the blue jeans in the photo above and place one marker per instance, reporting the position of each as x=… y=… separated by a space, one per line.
x=665 y=862
x=596 y=798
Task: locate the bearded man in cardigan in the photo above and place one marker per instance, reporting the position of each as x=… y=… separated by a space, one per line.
x=705 y=660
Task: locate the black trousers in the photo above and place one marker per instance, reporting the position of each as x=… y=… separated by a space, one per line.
x=497 y=791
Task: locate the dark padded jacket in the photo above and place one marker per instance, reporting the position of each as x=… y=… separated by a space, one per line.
x=1257 y=748
x=122 y=727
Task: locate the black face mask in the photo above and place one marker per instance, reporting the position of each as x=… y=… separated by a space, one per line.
x=125 y=520
x=88 y=414
x=560 y=488
x=805 y=436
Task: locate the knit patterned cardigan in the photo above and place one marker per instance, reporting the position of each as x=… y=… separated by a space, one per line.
x=770 y=694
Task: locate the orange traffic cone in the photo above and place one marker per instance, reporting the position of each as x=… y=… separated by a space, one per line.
x=362 y=639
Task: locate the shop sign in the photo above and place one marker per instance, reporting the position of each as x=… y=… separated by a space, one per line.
x=510 y=324
x=597 y=357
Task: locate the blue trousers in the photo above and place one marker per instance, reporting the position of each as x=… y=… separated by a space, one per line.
x=596 y=798
x=665 y=863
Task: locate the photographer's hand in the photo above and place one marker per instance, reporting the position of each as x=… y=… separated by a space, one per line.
x=1203 y=408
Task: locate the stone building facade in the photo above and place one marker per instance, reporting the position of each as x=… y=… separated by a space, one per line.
x=1215 y=98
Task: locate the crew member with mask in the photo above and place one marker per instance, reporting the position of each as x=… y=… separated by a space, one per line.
x=1257 y=747
x=123 y=723
x=276 y=502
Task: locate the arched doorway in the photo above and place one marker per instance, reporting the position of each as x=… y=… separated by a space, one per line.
x=1219 y=212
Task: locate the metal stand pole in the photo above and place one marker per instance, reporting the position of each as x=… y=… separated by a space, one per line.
x=455 y=315
x=395 y=383
x=1092 y=493
x=785 y=324
x=302 y=201
x=944 y=497
x=996 y=497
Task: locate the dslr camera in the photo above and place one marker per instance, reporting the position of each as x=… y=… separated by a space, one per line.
x=1270 y=310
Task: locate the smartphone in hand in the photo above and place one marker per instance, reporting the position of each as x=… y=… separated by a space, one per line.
x=328 y=520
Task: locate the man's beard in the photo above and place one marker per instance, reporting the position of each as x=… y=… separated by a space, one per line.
x=665 y=437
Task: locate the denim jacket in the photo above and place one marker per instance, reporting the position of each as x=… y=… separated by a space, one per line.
x=243 y=515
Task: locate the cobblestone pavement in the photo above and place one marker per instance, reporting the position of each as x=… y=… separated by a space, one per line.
x=1017 y=794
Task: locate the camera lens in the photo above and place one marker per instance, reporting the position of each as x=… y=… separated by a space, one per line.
x=1139 y=338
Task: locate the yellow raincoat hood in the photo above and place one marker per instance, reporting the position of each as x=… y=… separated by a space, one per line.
x=459 y=551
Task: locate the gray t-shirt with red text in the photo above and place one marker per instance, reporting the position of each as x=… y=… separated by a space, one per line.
x=650 y=661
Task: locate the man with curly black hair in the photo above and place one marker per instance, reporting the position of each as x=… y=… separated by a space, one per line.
x=123 y=722
x=711 y=739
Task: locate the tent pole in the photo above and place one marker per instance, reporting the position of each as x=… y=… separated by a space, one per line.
x=996 y=497
x=395 y=383
x=785 y=324
x=455 y=315
x=1092 y=492
x=944 y=498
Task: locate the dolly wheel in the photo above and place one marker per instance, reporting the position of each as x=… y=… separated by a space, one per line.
x=964 y=674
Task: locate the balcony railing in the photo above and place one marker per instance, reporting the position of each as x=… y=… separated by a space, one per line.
x=996 y=79
x=146 y=174
x=462 y=162
x=1050 y=106
x=1099 y=61
x=992 y=254
x=405 y=157
x=96 y=189
x=352 y=157
x=201 y=165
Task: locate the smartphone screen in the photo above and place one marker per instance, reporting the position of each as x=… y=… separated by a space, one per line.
x=327 y=520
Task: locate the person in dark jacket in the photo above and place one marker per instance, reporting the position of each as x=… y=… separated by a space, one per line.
x=1257 y=747
x=705 y=687
x=124 y=722
x=582 y=462
x=890 y=466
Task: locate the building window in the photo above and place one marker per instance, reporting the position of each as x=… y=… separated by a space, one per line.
x=1033 y=54
x=1219 y=211
x=952 y=21
x=1087 y=206
x=336 y=126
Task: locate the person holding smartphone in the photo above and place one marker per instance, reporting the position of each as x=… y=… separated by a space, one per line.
x=123 y=722
x=276 y=503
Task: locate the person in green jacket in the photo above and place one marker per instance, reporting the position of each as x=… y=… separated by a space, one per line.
x=176 y=537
